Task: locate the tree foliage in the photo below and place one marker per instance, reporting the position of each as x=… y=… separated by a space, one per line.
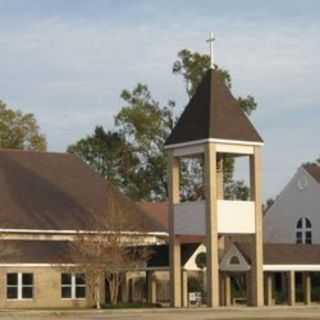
x=109 y=155
x=146 y=125
x=19 y=130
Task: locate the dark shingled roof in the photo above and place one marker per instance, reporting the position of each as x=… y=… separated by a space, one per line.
x=159 y=211
x=314 y=170
x=285 y=254
x=35 y=251
x=213 y=113
x=46 y=251
x=57 y=191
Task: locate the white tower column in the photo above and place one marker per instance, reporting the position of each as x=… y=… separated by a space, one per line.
x=257 y=280
x=174 y=244
x=212 y=226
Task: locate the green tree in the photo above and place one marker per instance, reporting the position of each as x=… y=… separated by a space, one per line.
x=109 y=155
x=19 y=130
x=192 y=66
x=146 y=125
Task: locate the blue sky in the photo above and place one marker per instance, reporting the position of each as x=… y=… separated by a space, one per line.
x=67 y=62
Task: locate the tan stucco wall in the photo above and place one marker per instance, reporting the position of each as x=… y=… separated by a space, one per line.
x=47 y=290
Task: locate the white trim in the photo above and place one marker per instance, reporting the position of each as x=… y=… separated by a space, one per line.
x=291 y=267
x=235 y=149
x=35 y=265
x=212 y=140
x=53 y=231
x=69 y=265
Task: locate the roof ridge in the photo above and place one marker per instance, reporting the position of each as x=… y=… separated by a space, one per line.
x=9 y=150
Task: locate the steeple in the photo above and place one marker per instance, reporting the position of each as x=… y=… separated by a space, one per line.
x=213 y=114
x=212 y=127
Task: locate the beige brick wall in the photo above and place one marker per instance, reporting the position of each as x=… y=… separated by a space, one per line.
x=47 y=290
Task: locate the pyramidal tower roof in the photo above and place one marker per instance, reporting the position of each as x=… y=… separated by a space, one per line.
x=213 y=113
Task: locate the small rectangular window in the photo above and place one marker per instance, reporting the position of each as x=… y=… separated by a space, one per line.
x=299 y=237
x=27 y=285
x=12 y=292
x=80 y=285
x=308 y=237
x=73 y=285
x=19 y=286
x=12 y=279
x=66 y=292
x=66 y=279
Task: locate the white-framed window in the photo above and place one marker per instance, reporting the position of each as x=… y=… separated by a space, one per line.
x=304 y=231
x=73 y=285
x=19 y=286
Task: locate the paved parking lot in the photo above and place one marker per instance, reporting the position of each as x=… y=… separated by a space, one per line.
x=169 y=314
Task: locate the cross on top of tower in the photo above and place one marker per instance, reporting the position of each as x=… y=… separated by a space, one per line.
x=210 y=41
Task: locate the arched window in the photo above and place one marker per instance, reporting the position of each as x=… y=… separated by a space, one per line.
x=234 y=260
x=304 y=231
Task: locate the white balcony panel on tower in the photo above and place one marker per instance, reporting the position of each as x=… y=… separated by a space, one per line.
x=233 y=217
x=236 y=216
x=190 y=218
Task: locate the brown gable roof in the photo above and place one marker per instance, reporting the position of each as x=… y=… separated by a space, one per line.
x=213 y=113
x=57 y=191
x=35 y=251
x=285 y=254
x=158 y=211
x=314 y=170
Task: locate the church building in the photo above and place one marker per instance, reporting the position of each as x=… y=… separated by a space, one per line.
x=47 y=199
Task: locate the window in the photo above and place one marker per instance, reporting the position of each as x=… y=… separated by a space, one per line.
x=73 y=286
x=19 y=286
x=304 y=231
x=234 y=260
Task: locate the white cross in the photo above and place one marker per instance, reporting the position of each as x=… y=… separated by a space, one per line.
x=211 y=40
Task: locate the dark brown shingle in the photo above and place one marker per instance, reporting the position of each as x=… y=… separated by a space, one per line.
x=57 y=191
x=314 y=170
x=285 y=254
x=213 y=113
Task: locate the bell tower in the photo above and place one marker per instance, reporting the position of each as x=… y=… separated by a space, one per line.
x=213 y=125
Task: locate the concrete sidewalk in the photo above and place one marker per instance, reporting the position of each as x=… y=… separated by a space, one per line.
x=169 y=314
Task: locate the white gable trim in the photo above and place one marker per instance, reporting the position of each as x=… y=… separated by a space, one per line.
x=225 y=264
x=191 y=265
x=224 y=141
x=291 y=267
x=53 y=231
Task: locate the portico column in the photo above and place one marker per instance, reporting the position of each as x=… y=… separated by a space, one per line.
x=268 y=289
x=125 y=288
x=185 y=288
x=151 y=287
x=291 y=288
x=307 y=286
x=132 y=290
x=212 y=226
x=222 y=289
x=174 y=245
x=257 y=250
x=227 y=290
x=248 y=286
